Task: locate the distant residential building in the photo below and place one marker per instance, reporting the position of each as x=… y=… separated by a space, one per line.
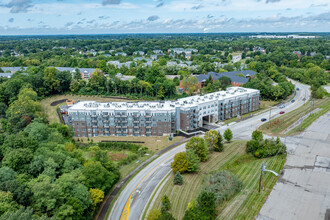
x=157 y=52
x=260 y=49
x=187 y=51
x=298 y=53
x=121 y=54
x=140 y=53
x=171 y=63
x=153 y=57
x=233 y=75
x=9 y=75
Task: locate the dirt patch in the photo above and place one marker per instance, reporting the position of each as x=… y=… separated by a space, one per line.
x=55 y=103
x=116 y=156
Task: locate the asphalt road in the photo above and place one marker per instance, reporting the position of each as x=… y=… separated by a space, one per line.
x=133 y=199
x=303 y=191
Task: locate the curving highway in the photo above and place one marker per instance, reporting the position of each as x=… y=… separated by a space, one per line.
x=135 y=196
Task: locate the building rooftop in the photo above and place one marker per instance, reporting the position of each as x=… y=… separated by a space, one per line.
x=232 y=75
x=192 y=101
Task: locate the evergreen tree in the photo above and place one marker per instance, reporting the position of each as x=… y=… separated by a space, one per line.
x=219 y=146
x=166 y=204
x=228 y=135
x=178 y=179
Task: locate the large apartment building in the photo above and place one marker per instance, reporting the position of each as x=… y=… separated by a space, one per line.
x=91 y=119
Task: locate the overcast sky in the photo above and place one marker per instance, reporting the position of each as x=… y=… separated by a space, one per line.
x=162 y=16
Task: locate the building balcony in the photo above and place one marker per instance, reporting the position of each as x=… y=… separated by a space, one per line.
x=148 y=127
x=118 y=126
x=106 y=121
x=124 y=126
x=136 y=127
x=148 y=116
x=106 y=126
x=105 y=116
x=148 y=122
x=118 y=132
x=93 y=116
x=136 y=121
x=94 y=121
x=119 y=121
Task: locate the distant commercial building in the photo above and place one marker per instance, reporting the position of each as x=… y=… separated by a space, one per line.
x=91 y=119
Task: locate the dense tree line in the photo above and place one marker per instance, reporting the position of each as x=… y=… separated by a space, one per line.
x=42 y=172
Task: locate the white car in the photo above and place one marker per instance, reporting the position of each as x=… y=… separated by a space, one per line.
x=282 y=106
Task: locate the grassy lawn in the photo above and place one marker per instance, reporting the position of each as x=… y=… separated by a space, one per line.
x=311 y=118
x=50 y=111
x=155 y=143
x=126 y=169
x=246 y=204
x=290 y=118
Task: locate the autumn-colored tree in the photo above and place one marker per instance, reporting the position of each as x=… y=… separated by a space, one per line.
x=211 y=137
x=153 y=214
x=96 y=196
x=180 y=163
x=190 y=84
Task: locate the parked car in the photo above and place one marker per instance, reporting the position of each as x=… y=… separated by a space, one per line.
x=282 y=106
x=293 y=100
x=297 y=89
x=282 y=112
x=263 y=119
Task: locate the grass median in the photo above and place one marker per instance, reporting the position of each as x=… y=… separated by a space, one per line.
x=280 y=124
x=246 y=204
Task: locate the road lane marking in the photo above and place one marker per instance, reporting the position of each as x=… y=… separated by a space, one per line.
x=125 y=212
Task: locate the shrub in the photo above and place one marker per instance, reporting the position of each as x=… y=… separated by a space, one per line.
x=223 y=184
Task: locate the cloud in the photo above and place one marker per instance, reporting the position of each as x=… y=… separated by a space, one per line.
x=103 y=17
x=18 y=6
x=320 y=5
x=160 y=5
x=197 y=7
x=90 y=22
x=11 y=20
x=272 y=1
x=209 y=16
x=79 y=13
x=111 y=2
x=153 y=18
x=68 y=24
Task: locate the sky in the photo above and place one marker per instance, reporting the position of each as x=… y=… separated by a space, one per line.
x=43 y=17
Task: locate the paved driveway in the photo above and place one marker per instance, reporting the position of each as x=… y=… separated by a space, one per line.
x=303 y=191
